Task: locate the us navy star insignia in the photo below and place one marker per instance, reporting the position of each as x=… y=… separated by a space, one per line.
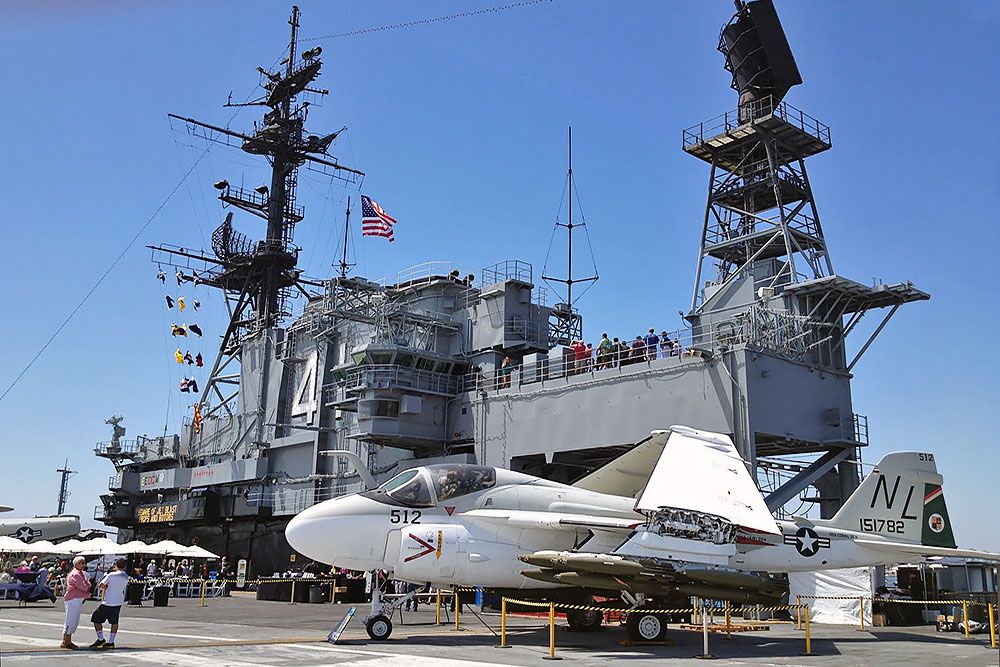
x=807 y=542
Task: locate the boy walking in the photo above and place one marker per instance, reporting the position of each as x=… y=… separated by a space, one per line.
x=113 y=585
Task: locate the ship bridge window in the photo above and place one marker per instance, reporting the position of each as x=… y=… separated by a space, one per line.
x=425 y=364
x=410 y=488
x=451 y=481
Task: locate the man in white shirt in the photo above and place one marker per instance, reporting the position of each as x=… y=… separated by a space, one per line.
x=113 y=585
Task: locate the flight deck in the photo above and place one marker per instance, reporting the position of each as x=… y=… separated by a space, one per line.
x=243 y=631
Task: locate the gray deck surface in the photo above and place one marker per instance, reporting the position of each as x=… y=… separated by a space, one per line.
x=243 y=631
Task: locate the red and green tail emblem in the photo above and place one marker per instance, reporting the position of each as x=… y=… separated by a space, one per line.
x=936 y=529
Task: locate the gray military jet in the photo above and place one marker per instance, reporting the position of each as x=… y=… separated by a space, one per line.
x=677 y=516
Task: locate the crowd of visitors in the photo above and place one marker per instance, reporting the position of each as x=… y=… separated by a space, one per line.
x=617 y=352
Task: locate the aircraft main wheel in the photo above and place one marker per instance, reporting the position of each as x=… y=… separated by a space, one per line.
x=379 y=627
x=584 y=621
x=644 y=626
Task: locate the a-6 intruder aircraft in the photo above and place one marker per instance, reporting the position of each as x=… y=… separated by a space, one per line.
x=677 y=516
x=39 y=528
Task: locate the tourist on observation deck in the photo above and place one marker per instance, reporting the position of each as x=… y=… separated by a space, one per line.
x=604 y=352
x=652 y=342
x=506 y=368
x=666 y=346
x=638 y=350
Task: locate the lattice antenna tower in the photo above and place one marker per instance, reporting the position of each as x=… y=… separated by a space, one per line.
x=568 y=325
x=258 y=277
x=760 y=215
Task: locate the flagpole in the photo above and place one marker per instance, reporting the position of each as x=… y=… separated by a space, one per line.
x=347 y=226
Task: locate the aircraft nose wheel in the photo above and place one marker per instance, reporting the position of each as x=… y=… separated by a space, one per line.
x=644 y=626
x=379 y=627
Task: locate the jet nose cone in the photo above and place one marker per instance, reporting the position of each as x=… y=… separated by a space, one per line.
x=343 y=531
x=305 y=532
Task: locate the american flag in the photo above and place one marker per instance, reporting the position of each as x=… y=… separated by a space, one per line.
x=375 y=221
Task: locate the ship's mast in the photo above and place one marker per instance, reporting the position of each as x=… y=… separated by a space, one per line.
x=259 y=277
x=344 y=264
x=64 y=474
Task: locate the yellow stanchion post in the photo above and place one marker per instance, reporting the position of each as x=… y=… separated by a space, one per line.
x=704 y=631
x=202 y=592
x=458 y=609
x=728 y=626
x=503 y=624
x=809 y=646
x=437 y=612
x=291 y=600
x=993 y=627
x=965 y=616
x=798 y=612
x=552 y=633
x=861 y=600
x=333 y=592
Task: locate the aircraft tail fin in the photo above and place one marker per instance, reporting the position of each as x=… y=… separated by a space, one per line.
x=902 y=499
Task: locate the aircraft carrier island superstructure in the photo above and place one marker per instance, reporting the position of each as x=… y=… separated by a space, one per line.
x=410 y=371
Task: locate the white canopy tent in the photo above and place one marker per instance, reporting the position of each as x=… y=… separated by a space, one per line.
x=165 y=548
x=100 y=546
x=135 y=547
x=195 y=551
x=42 y=547
x=11 y=545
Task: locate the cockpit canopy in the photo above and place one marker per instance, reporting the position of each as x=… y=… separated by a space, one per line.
x=427 y=485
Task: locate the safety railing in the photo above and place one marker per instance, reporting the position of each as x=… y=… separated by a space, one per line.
x=508 y=269
x=390 y=376
x=752 y=174
x=700 y=611
x=954 y=602
x=736 y=226
x=624 y=360
x=116 y=448
x=428 y=271
x=529 y=329
x=752 y=112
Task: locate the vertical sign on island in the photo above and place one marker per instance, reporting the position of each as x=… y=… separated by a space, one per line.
x=241 y=573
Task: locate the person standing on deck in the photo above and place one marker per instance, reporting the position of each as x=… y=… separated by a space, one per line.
x=652 y=342
x=113 y=584
x=77 y=590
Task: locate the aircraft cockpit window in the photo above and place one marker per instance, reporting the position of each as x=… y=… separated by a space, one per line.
x=459 y=480
x=410 y=488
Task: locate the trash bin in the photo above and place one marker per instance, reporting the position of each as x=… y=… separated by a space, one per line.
x=160 y=595
x=317 y=594
x=134 y=593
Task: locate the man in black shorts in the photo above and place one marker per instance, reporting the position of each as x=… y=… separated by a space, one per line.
x=113 y=585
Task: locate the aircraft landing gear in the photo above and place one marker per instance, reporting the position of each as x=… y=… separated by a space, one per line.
x=377 y=622
x=646 y=626
x=379 y=627
x=584 y=621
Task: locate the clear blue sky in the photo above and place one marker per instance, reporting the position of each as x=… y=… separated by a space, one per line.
x=461 y=128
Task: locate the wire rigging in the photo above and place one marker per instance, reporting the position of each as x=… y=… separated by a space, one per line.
x=427 y=21
x=104 y=275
